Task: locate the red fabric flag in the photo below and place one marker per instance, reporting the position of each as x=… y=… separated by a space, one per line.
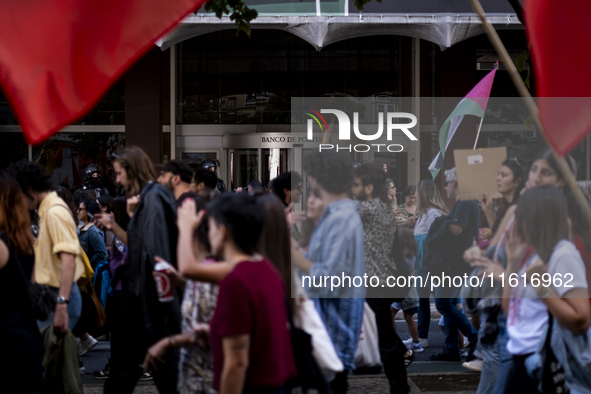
x=559 y=35
x=57 y=58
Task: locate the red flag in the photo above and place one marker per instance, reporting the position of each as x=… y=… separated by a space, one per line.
x=559 y=35
x=57 y=58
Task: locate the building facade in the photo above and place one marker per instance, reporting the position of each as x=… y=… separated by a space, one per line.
x=206 y=92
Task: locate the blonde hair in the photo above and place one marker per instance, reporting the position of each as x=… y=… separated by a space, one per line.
x=429 y=197
x=139 y=168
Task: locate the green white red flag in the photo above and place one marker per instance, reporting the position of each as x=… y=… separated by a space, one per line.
x=474 y=104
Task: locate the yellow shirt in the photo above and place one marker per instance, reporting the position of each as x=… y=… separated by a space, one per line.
x=57 y=233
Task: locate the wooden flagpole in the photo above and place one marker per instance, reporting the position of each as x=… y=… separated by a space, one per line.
x=478 y=134
x=531 y=106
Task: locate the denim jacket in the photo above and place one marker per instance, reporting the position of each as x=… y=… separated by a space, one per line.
x=93 y=242
x=336 y=249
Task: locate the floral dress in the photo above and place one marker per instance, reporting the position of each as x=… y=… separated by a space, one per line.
x=407 y=215
x=196 y=361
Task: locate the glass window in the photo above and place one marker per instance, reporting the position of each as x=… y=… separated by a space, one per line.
x=110 y=110
x=228 y=79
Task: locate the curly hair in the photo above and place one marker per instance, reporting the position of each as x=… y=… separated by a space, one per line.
x=32 y=175
x=371 y=174
x=333 y=171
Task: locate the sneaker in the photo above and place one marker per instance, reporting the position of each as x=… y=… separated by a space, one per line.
x=409 y=358
x=424 y=342
x=86 y=346
x=146 y=376
x=474 y=365
x=81 y=366
x=416 y=347
x=104 y=374
x=443 y=356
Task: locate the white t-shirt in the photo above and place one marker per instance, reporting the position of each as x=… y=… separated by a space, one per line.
x=426 y=220
x=526 y=321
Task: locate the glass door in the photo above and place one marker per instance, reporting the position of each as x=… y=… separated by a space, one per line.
x=245 y=166
x=275 y=161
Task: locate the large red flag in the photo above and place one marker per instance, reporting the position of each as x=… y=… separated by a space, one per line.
x=57 y=58
x=560 y=39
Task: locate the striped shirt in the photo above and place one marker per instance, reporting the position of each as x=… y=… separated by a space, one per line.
x=426 y=220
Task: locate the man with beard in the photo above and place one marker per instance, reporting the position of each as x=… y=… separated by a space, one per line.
x=381 y=256
x=176 y=175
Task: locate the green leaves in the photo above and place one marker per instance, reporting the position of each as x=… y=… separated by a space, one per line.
x=360 y=3
x=241 y=14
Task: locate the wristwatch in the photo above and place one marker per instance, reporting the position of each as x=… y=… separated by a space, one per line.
x=62 y=300
x=543 y=292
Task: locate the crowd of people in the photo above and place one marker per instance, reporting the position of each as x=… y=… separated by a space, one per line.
x=202 y=290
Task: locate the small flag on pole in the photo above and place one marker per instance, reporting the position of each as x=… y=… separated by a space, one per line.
x=474 y=104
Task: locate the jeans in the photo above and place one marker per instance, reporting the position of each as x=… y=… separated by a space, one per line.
x=505 y=358
x=74 y=308
x=424 y=307
x=490 y=367
x=454 y=320
x=392 y=350
x=518 y=381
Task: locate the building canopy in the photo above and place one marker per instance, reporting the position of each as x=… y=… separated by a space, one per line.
x=323 y=22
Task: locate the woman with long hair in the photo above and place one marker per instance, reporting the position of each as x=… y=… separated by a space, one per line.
x=314 y=211
x=542 y=171
x=274 y=242
x=510 y=182
x=541 y=222
x=249 y=327
x=22 y=346
x=430 y=206
x=197 y=308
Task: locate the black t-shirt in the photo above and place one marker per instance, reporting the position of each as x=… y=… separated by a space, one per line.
x=186 y=195
x=466 y=215
x=15 y=307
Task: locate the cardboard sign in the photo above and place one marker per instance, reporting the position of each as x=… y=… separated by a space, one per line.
x=477 y=171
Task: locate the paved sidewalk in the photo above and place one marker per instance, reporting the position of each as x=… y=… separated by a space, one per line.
x=358 y=384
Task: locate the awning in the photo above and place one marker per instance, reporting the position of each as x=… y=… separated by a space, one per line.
x=444 y=30
x=323 y=22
